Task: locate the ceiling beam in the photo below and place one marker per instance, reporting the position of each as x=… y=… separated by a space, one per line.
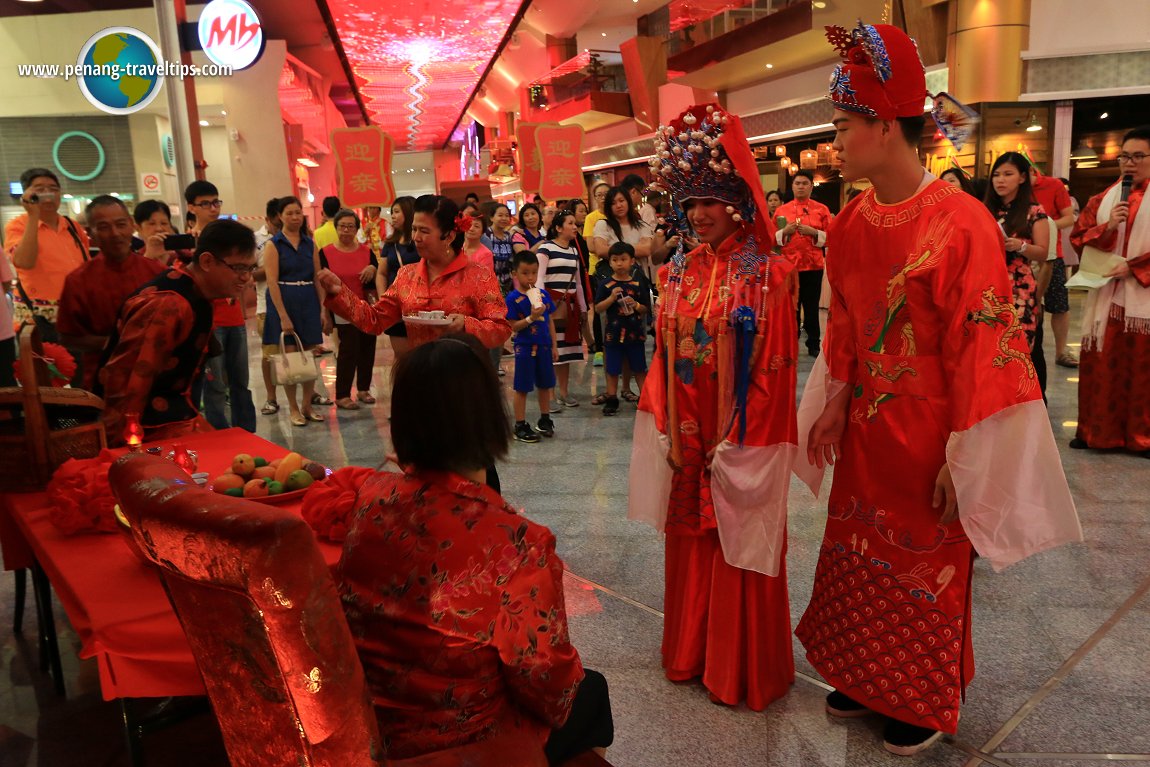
x=333 y=33
x=490 y=65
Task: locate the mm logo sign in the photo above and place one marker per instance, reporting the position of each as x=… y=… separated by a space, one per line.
x=231 y=34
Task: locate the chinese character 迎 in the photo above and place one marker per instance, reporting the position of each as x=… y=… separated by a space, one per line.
x=559 y=148
x=358 y=153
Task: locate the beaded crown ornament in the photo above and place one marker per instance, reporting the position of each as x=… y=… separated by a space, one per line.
x=692 y=162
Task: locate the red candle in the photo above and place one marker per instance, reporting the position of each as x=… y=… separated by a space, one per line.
x=133 y=431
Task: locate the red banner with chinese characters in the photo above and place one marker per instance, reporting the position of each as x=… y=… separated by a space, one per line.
x=530 y=166
x=363 y=162
x=561 y=149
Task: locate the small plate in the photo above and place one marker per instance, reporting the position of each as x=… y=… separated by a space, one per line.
x=417 y=320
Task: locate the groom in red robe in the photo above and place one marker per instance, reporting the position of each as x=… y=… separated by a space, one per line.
x=929 y=407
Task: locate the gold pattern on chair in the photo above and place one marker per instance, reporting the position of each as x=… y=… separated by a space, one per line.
x=276 y=594
x=313 y=681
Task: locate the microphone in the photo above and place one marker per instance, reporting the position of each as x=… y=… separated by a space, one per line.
x=1127 y=183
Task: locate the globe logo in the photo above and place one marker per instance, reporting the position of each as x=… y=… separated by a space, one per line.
x=119 y=70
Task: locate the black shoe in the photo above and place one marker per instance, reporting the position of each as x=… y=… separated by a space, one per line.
x=1078 y=444
x=524 y=432
x=906 y=739
x=546 y=427
x=845 y=707
x=611 y=406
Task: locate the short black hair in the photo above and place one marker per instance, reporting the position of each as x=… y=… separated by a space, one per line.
x=621 y=249
x=103 y=200
x=224 y=237
x=272 y=209
x=331 y=206
x=523 y=257
x=808 y=175
x=443 y=210
x=345 y=213
x=146 y=209
x=1141 y=133
x=200 y=189
x=632 y=181
x=912 y=128
x=472 y=196
x=30 y=175
x=448 y=410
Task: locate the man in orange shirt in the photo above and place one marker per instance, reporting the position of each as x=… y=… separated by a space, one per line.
x=802 y=233
x=45 y=247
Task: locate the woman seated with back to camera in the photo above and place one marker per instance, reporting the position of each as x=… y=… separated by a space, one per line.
x=455 y=600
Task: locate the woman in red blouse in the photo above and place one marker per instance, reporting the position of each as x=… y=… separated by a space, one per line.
x=444 y=280
x=454 y=599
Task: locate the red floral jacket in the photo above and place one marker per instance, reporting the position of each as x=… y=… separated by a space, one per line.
x=463 y=288
x=456 y=605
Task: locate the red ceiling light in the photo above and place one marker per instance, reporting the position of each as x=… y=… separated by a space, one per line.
x=416 y=62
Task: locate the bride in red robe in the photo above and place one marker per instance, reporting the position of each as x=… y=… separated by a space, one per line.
x=715 y=433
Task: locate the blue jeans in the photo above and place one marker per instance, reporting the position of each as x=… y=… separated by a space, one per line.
x=225 y=381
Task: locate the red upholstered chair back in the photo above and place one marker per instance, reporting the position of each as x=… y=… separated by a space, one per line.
x=261 y=614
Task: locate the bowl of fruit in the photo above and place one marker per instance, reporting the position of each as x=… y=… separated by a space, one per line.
x=278 y=481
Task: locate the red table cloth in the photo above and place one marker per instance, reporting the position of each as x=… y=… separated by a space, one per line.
x=114 y=602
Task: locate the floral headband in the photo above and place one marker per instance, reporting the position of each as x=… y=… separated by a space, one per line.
x=463 y=223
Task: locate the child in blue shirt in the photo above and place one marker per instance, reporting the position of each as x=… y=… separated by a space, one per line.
x=535 y=346
x=627 y=301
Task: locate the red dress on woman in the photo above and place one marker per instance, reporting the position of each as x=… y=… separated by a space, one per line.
x=726 y=619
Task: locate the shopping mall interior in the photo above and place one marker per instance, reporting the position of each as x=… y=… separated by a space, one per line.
x=514 y=102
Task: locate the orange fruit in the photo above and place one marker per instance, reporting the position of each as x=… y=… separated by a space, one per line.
x=243 y=464
x=256 y=488
x=227 y=481
x=264 y=472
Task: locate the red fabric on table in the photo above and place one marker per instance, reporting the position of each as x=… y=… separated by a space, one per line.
x=114 y=602
x=13 y=545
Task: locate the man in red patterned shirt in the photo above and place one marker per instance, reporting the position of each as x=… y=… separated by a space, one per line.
x=94 y=293
x=802 y=235
x=162 y=335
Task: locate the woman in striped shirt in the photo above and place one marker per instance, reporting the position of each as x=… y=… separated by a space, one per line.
x=561 y=274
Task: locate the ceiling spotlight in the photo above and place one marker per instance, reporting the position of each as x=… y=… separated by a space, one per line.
x=819 y=4
x=1033 y=126
x=1103 y=116
x=603 y=33
x=205 y=123
x=223 y=113
x=770 y=66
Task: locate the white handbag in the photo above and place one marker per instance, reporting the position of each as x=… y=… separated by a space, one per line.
x=294 y=367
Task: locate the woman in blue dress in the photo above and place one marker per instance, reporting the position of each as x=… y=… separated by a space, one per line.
x=291 y=261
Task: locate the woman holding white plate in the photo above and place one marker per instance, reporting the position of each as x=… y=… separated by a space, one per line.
x=444 y=281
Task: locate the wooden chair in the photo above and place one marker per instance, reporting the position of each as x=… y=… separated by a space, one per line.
x=260 y=611
x=41 y=427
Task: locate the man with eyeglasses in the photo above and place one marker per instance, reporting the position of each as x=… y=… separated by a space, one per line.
x=1114 y=367
x=162 y=336
x=45 y=247
x=225 y=376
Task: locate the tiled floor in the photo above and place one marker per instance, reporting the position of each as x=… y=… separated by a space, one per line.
x=1059 y=639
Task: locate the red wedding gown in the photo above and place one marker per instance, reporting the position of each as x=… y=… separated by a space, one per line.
x=725 y=620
